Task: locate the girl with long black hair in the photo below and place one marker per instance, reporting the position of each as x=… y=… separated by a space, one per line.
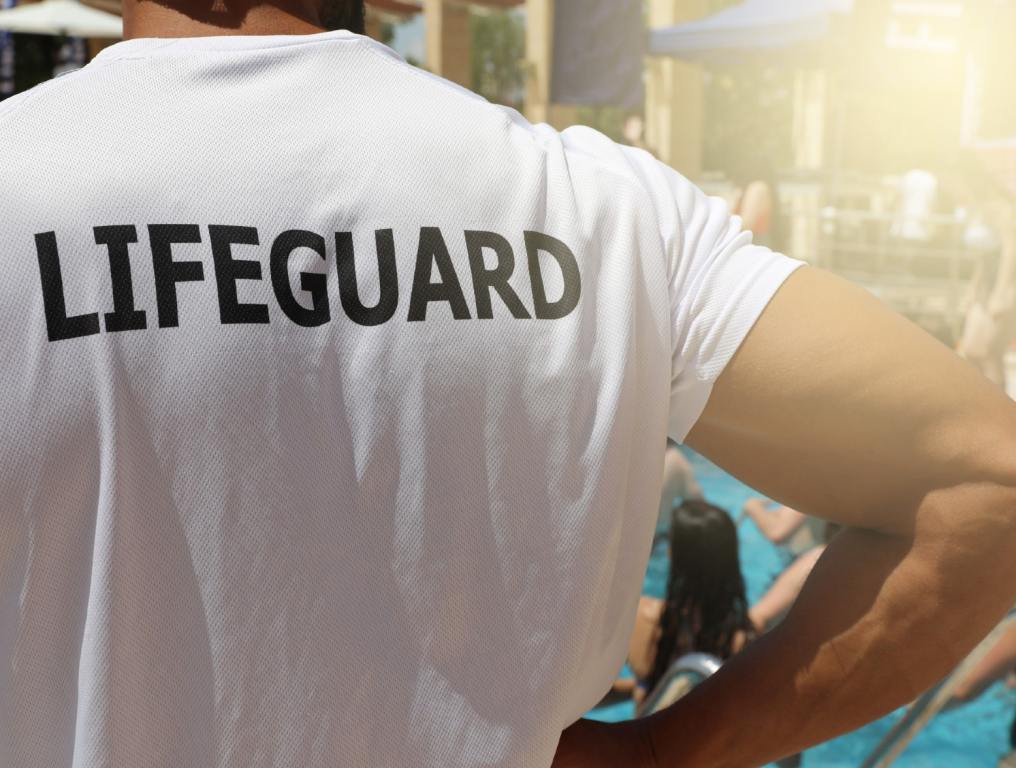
x=705 y=609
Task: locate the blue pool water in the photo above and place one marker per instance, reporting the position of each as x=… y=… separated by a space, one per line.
x=974 y=736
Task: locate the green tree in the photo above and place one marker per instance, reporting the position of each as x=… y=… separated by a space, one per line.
x=498 y=49
x=749 y=112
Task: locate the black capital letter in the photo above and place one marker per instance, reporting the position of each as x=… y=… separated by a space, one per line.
x=168 y=272
x=536 y=242
x=314 y=283
x=228 y=270
x=434 y=251
x=485 y=279
x=58 y=325
x=388 y=279
x=124 y=316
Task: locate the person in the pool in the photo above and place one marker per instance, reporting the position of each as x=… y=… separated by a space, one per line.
x=780 y=596
x=705 y=609
x=679 y=484
x=784 y=526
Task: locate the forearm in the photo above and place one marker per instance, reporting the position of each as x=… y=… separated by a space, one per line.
x=784 y=591
x=762 y=516
x=777 y=525
x=878 y=622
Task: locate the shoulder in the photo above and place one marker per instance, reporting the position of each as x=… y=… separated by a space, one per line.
x=577 y=152
x=580 y=143
x=45 y=91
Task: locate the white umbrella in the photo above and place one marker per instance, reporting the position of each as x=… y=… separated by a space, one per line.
x=751 y=26
x=61 y=17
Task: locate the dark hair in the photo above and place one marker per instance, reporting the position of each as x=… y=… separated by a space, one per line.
x=706 y=606
x=332 y=14
x=344 y=14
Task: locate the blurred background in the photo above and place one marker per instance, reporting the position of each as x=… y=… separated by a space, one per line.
x=873 y=138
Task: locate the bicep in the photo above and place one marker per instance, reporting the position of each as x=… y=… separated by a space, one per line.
x=840 y=408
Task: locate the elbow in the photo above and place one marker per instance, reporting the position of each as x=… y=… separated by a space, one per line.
x=999 y=517
x=973 y=525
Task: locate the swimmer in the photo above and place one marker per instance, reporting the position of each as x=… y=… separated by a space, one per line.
x=705 y=609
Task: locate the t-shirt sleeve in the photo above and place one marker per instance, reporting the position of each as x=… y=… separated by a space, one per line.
x=719 y=284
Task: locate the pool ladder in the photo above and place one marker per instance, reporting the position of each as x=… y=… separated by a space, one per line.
x=691 y=669
x=925 y=707
x=683 y=675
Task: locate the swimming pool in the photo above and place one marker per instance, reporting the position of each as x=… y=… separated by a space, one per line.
x=974 y=736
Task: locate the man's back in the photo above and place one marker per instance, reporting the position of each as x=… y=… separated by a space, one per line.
x=337 y=401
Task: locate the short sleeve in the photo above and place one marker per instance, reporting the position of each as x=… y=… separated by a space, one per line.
x=719 y=285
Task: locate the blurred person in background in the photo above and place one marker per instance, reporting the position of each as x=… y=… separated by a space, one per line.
x=633 y=130
x=989 y=326
x=780 y=596
x=794 y=531
x=679 y=484
x=755 y=199
x=705 y=609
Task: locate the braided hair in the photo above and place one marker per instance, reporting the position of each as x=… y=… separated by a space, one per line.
x=706 y=606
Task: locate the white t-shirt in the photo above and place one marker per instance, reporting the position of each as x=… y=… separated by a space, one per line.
x=335 y=401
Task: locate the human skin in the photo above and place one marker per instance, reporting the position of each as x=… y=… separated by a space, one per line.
x=784 y=591
x=840 y=408
x=192 y=18
x=777 y=525
x=756 y=206
x=679 y=482
x=642 y=645
x=837 y=407
x=990 y=328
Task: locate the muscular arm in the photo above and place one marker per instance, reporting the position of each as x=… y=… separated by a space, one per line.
x=837 y=407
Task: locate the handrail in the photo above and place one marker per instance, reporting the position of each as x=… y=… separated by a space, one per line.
x=926 y=706
x=696 y=666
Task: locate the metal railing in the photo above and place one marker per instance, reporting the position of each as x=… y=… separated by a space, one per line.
x=683 y=675
x=921 y=712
